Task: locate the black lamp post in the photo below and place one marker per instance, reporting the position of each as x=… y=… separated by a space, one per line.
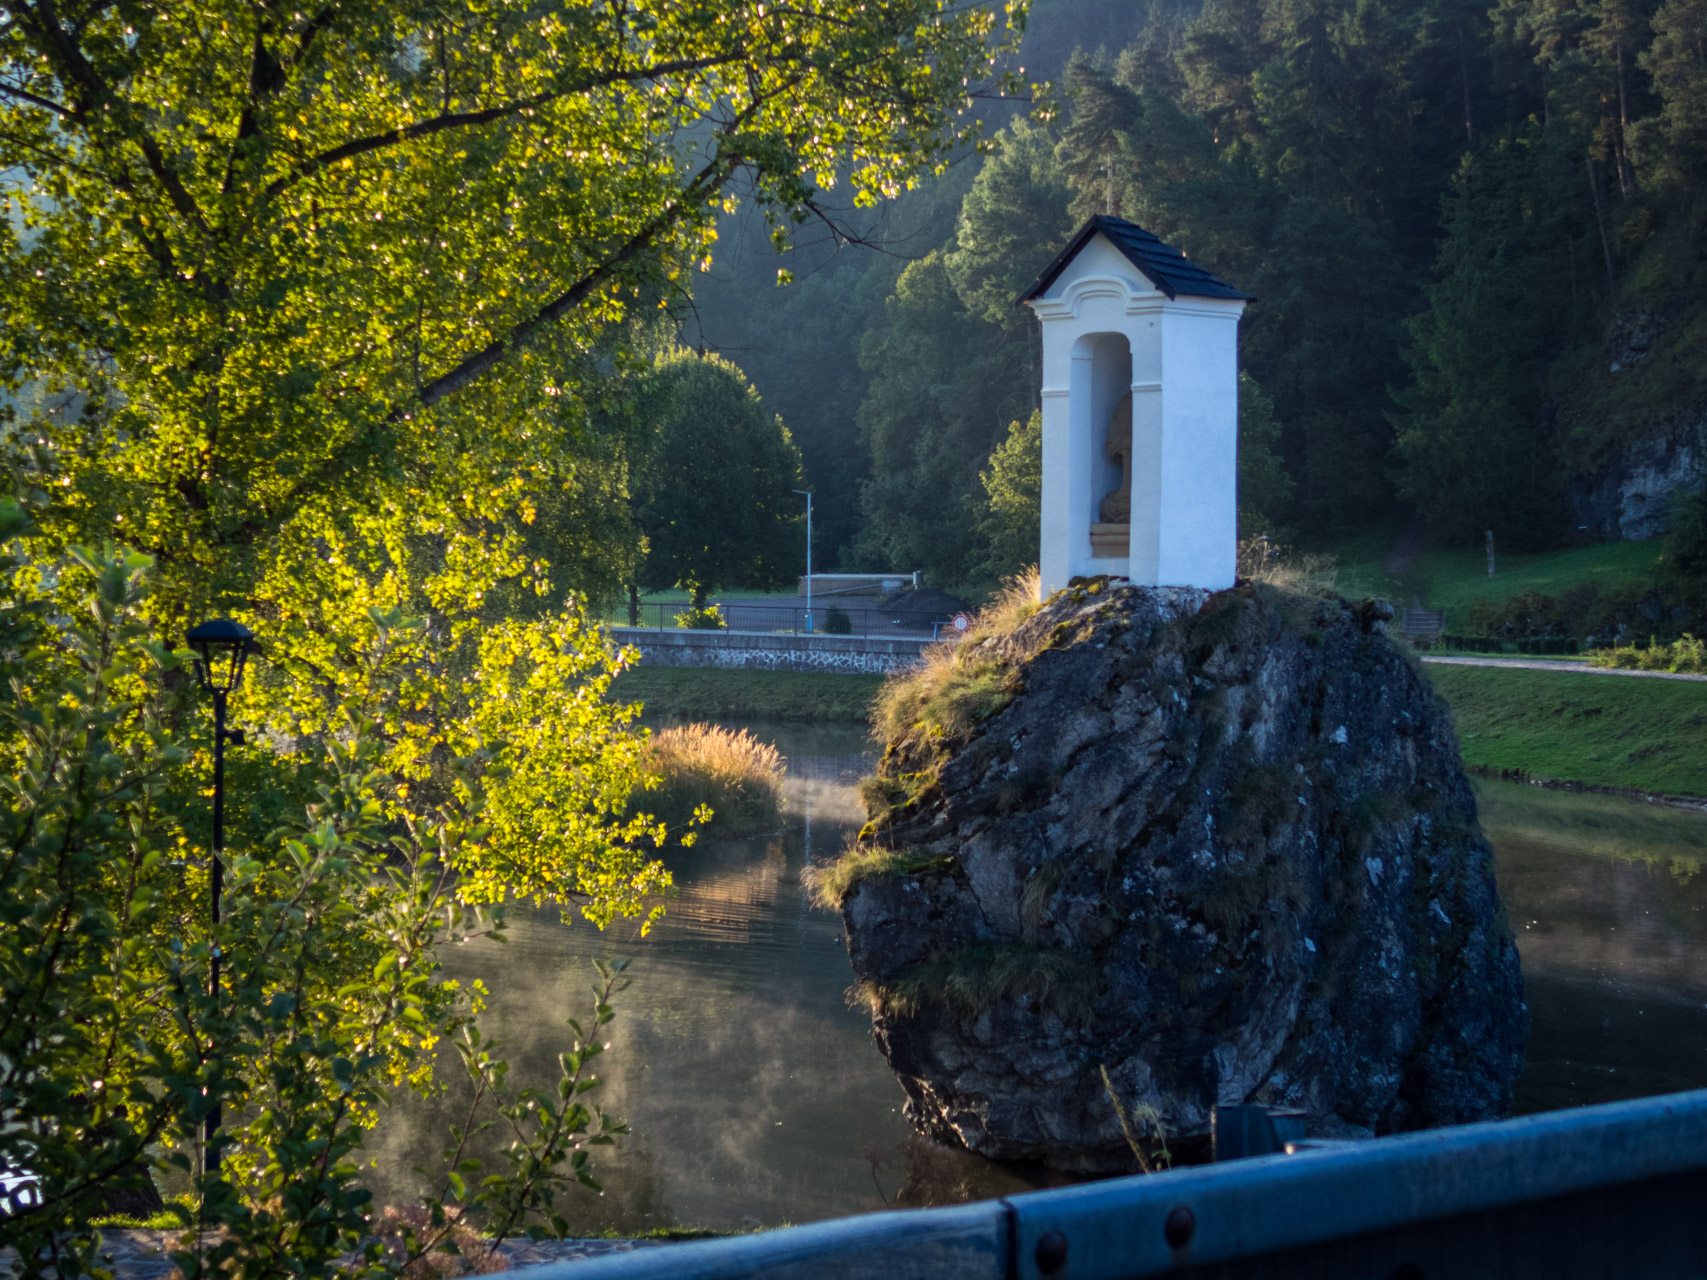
x=221 y=646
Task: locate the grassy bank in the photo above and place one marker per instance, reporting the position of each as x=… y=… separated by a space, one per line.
x=1605 y=731
x=706 y=693
x=1608 y=731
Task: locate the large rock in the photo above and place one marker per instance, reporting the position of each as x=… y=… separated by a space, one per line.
x=1218 y=845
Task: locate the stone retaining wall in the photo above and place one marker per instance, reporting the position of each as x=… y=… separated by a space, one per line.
x=767 y=651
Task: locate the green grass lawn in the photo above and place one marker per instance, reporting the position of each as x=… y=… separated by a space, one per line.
x=1361 y=573
x=1451 y=579
x=708 y=693
x=1610 y=731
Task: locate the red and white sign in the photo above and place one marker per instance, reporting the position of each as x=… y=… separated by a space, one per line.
x=961 y=622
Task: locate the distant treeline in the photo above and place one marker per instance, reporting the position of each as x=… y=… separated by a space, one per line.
x=1476 y=237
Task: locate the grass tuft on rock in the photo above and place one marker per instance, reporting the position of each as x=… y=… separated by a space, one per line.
x=977 y=978
x=729 y=770
x=954 y=687
x=830 y=884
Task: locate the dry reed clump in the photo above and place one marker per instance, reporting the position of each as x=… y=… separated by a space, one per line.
x=729 y=770
x=1312 y=573
x=954 y=687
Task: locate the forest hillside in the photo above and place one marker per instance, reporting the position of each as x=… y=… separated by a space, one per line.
x=1477 y=237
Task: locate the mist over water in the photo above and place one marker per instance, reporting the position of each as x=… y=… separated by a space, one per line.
x=757 y=1097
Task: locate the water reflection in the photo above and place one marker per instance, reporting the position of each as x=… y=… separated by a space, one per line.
x=1610 y=909
x=755 y=1093
x=757 y=1097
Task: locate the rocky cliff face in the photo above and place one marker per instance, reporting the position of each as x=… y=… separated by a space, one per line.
x=1216 y=846
x=1630 y=497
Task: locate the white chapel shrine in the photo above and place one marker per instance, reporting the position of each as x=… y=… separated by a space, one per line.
x=1140 y=412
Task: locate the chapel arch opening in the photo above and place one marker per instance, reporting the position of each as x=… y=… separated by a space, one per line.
x=1107 y=438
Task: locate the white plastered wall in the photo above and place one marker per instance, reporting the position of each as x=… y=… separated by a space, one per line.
x=1107 y=330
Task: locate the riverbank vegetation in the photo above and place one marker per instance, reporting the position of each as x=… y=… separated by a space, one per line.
x=725 y=779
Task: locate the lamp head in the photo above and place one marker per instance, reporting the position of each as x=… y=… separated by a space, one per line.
x=221 y=647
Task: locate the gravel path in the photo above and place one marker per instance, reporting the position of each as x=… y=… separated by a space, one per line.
x=1549 y=664
x=141 y=1254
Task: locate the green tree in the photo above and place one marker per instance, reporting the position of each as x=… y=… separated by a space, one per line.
x=1472 y=455
x=1677 y=61
x=1013 y=488
x=324 y=268
x=953 y=360
x=322 y=302
x=717 y=499
x=1265 y=488
x=1012 y=220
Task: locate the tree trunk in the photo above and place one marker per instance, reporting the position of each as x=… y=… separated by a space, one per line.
x=1600 y=222
x=1464 y=88
x=1626 y=169
x=699 y=593
x=633 y=604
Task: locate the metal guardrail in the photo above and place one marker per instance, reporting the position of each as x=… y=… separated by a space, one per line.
x=797 y=620
x=1602 y=1192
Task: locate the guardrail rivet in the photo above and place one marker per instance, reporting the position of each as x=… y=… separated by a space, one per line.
x=1051 y=1252
x=1177 y=1230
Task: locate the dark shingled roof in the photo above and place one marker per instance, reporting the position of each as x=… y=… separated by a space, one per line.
x=1162 y=264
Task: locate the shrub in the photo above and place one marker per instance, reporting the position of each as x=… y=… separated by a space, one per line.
x=1686 y=536
x=837 y=622
x=1685 y=654
x=728 y=771
x=709 y=618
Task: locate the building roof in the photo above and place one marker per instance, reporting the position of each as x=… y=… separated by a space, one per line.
x=1162 y=264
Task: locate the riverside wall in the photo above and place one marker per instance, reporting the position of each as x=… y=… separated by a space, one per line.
x=769 y=651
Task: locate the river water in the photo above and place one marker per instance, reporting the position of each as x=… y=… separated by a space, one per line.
x=756 y=1096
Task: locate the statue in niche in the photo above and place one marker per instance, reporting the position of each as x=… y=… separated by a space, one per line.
x=1117 y=445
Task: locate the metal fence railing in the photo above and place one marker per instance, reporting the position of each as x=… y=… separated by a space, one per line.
x=1608 y=1191
x=822 y=619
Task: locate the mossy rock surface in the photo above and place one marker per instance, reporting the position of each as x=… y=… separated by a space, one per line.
x=1219 y=844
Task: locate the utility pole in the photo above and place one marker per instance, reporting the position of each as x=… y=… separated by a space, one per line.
x=807 y=493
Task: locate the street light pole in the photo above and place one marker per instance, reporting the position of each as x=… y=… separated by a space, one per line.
x=808 y=495
x=221 y=647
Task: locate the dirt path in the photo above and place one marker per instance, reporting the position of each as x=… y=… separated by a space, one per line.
x=1547 y=664
x=1405 y=548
